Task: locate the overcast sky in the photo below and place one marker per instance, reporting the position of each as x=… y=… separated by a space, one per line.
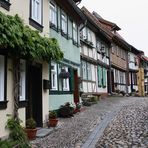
x=130 y=15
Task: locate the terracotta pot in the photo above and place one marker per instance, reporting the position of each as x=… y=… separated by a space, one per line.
x=31 y=133
x=53 y=122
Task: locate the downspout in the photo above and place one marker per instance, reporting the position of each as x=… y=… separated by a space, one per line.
x=127 y=71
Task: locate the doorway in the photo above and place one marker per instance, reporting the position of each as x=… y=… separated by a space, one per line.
x=112 y=81
x=34 y=93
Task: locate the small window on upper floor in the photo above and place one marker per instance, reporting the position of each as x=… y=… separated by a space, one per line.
x=36 y=14
x=89 y=34
x=75 y=34
x=53 y=14
x=98 y=46
x=64 y=22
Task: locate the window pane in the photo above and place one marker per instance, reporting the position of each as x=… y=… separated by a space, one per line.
x=2 y=78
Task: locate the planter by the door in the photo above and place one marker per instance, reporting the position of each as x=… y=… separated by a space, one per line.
x=53 y=122
x=31 y=133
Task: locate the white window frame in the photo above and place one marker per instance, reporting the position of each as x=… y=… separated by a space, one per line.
x=36 y=10
x=89 y=74
x=89 y=34
x=84 y=70
x=54 y=83
x=2 y=80
x=64 y=22
x=74 y=32
x=22 y=90
x=53 y=13
x=65 y=81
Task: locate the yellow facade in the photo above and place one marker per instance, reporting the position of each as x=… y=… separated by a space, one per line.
x=141 y=82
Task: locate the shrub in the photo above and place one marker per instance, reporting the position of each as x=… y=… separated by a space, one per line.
x=52 y=115
x=30 y=123
x=17 y=134
x=66 y=110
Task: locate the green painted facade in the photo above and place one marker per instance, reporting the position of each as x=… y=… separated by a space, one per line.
x=71 y=50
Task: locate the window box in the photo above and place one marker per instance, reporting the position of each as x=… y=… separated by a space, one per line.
x=64 y=74
x=5 y=4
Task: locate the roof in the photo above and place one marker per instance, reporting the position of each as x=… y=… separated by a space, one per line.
x=115 y=37
x=77 y=1
x=95 y=22
x=72 y=9
x=145 y=58
x=111 y=24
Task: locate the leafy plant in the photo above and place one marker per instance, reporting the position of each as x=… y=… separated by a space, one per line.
x=22 y=41
x=8 y=143
x=52 y=115
x=17 y=133
x=30 y=123
x=66 y=110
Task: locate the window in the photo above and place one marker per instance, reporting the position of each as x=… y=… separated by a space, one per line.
x=53 y=76
x=84 y=33
x=84 y=70
x=66 y=82
x=22 y=80
x=2 y=71
x=89 y=75
x=74 y=32
x=98 y=46
x=64 y=22
x=53 y=14
x=89 y=35
x=36 y=11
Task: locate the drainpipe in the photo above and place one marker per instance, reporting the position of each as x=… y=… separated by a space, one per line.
x=127 y=71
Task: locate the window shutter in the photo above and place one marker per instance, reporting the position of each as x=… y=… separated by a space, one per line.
x=99 y=76
x=104 y=77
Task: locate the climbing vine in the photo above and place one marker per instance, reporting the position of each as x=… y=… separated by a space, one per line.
x=20 y=41
x=23 y=42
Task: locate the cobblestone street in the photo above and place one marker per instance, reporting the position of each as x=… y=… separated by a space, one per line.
x=129 y=128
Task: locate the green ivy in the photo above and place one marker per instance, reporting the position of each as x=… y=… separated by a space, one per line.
x=23 y=42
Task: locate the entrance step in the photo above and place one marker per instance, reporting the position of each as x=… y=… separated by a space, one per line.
x=43 y=132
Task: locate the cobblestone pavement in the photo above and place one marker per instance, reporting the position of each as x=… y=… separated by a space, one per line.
x=74 y=131
x=129 y=129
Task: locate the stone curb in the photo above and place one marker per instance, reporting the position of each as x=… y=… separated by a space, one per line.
x=98 y=131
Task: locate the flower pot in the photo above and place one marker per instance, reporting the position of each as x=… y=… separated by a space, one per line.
x=31 y=133
x=53 y=122
x=77 y=110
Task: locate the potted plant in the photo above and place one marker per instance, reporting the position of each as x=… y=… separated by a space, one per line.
x=53 y=121
x=77 y=108
x=66 y=110
x=31 y=128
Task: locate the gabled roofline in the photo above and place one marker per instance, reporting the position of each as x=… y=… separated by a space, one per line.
x=113 y=25
x=77 y=9
x=100 y=30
